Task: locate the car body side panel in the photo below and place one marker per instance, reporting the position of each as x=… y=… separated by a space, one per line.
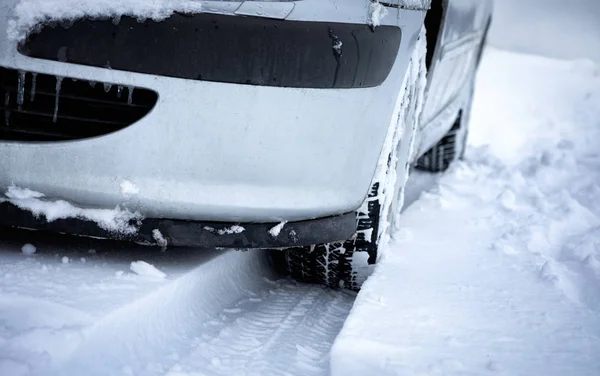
x=459 y=41
x=216 y=151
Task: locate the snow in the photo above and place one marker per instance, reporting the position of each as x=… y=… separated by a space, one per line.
x=160 y=239
x=129 y=189
x=22 y=193
x=235 y=229
x=144 y=269
x=31 y=13
x=495 y=268
x=28 y=249
x=65 y=260
x=218 y=313
x=377 y=13
x=276 y=230
x=117 y=220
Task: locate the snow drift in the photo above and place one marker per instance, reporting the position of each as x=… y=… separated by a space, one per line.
x=497 y=269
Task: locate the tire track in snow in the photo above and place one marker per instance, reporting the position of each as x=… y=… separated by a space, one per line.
x=225 y=317
x=286 y=330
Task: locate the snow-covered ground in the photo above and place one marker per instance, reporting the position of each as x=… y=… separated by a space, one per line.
x=497 y=268
x=80 y=307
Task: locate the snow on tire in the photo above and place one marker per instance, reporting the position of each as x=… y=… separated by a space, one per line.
x=347 y=264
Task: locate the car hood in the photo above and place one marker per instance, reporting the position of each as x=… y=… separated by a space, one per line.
x=21 y=17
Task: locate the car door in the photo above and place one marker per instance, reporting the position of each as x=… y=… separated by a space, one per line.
x=463 y=24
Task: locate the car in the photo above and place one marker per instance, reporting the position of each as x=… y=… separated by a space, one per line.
x=284 y=125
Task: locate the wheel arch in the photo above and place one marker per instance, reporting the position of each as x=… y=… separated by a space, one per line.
x=434 y=24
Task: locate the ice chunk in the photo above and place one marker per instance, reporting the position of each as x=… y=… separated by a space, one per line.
x=144 y=269
x=276 y=230
x=21 y=89
x=6 y=111
x=33 y=86
x=65 y=260
x=160 y=239
x=59 y=81
x=28 y=249
x=130 y=95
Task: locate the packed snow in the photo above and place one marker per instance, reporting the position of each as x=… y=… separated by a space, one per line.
x=142 y=268
x=117 y=220
x=217 y=313
x=31 y=13
x=496 y=269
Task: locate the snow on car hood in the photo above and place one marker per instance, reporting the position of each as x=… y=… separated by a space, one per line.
x=30 y=13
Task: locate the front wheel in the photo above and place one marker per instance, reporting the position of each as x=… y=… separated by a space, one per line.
x=348 y=263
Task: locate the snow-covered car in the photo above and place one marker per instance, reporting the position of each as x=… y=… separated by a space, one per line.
x=249 y=124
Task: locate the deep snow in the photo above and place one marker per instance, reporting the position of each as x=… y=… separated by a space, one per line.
x=497 y=268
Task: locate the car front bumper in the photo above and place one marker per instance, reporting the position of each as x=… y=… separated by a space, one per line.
x=168 y=232
x=213 y=151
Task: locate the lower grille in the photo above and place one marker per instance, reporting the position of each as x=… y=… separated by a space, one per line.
x=41 y=107
x=231 y=49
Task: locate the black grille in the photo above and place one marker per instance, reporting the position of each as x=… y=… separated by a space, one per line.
x=221 y=48
x=41 y=107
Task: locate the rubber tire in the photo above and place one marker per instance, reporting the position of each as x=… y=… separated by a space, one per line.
x=453 y=145
x=331 y=264
x=450 y=148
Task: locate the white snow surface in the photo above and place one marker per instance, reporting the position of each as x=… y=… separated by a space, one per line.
x=142 y=268
x=217 y=313
x=129 y=189
x=116 y=220
x=496 y=270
